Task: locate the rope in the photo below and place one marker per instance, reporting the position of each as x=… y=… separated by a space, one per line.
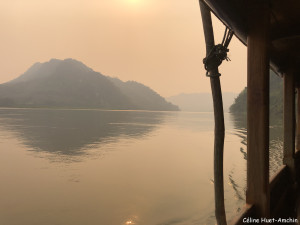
x=218 y=54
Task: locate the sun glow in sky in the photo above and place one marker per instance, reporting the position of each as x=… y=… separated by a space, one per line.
x=158 y=43
x=134 y=1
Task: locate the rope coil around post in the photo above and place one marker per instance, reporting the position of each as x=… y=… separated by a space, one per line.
x=218 y=54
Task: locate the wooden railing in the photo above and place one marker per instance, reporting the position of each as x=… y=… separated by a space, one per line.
x=246 y=212
x=281 y=185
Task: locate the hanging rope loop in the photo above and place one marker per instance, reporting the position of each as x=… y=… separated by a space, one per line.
x=218 y=54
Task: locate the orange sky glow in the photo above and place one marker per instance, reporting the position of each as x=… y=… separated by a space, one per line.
x=159 y=43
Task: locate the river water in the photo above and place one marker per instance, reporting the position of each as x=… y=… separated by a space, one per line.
x=74 y=167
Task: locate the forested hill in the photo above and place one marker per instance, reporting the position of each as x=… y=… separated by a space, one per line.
x=143 y=96
x=71 y=84
x=276 y=98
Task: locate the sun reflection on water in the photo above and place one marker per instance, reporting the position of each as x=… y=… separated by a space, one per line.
x=131 y=221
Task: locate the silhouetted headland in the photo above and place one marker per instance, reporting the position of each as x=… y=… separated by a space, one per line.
x=71 y=84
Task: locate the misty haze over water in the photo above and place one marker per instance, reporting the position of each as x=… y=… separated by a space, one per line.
x=118 y=167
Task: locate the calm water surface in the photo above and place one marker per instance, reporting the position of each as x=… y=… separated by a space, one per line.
x=74 y=167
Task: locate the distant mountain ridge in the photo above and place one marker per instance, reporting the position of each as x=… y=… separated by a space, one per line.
x=200 y=102
x=71 y=84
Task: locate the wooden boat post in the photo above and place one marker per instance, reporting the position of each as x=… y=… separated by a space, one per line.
x=258 y=190
x=289 y=121
x=219 y=133
x=298 y=118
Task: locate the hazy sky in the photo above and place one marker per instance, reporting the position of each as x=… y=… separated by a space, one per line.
x=159 y=43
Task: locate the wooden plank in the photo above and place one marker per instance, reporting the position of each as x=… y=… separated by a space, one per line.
x=280 y=203
x=246 y=212
x=297 y=164
x=297 y=157
x=280 y=186
x=278 y=176
x=298 y=120
x=289 y=120
x=258 y=191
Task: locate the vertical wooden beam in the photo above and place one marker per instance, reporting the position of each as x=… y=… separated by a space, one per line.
x=258 y=191
x=298 y=119
x=289 y=120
